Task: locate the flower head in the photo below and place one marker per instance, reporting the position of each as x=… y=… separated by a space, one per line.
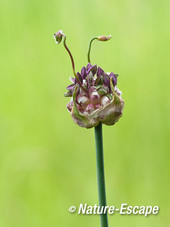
x=94 y=95
x=102 y=101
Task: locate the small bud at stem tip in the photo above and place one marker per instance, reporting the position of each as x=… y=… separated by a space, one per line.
x=99 y=38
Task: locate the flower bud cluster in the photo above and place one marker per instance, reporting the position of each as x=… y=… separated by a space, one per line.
x=99 y=101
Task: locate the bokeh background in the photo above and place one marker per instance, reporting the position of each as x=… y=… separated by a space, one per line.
x=47 y=163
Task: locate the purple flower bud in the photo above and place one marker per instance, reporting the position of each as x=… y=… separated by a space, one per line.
x=104 y=38
x=93 y=69
x=58 y=36
x=83 y=73
x=114 y=78
x=106 y=79
x=88 y=66
x=89 y=80
x=100 y=72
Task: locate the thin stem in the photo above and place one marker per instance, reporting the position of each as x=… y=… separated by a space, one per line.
x=88 y=55
x=73 y=66
x=99 y=38
x=100 y=173
x=72 y=60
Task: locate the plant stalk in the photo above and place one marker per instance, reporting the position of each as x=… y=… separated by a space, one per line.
x=73 y=66
x=100 y=173
x=88 y=54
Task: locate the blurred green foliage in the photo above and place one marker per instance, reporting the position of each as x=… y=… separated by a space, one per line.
x=47 y=163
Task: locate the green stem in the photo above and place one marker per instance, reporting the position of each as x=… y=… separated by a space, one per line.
x=100 y=173
x=88 y=55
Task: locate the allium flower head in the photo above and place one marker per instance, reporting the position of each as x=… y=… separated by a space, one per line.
x=94 y=95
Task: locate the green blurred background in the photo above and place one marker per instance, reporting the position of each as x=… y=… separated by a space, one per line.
x=47 y=163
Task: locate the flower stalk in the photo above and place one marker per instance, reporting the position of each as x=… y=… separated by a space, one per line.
x=100 y=173
x=88 y=54
x=58 y=37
